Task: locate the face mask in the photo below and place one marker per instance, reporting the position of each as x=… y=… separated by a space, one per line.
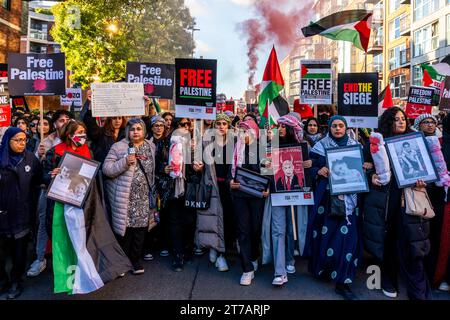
x=79 y=139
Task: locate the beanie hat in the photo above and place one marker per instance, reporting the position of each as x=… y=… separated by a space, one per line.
x=421 y=118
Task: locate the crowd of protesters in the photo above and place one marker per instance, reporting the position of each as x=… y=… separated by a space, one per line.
x=143 y=194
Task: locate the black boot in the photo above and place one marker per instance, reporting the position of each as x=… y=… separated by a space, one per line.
x=178 y=263
x=344 y=291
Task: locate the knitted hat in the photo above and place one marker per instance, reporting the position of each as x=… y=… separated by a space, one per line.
x=156 y=119
x=337 y=117
x=223 y=117
x=421 y=118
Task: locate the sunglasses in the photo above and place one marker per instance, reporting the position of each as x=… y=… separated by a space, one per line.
x=184 y=124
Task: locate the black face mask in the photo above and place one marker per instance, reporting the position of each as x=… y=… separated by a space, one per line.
x=323 y=119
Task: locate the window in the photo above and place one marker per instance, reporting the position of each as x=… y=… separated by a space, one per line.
x=417 y=75
x=423 y=8
x=378 y=63
x=448 y=29
x=426 y=39
x=394 y=56
x=36 y=48
x=398 y=86
x=394 y=29
x=394 y=5
x=6 y=4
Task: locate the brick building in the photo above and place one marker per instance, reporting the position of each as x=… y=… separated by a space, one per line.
x=10 y=27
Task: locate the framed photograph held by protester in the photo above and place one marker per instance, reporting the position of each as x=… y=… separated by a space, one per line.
x=251 y=182
x=72 y=184
x=292 y=181
x=410 y=159
x=346 y=170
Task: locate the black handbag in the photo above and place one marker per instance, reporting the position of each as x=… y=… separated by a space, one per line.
x=337 y=207
x=197 y=196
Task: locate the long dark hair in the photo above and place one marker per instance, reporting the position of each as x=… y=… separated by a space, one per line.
x=387 y=120
x=109 y=130
x=290 y=137
x=307 y=123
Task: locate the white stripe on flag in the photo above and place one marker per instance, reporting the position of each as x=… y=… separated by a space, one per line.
x=87 y=278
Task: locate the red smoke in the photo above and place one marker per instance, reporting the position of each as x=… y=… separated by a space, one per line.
x=274 y=24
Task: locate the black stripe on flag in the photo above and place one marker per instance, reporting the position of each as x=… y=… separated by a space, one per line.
x=316 y=66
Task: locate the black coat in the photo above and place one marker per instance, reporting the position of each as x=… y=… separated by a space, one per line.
x=101 y=141
x=19 y=191
x=382 y=206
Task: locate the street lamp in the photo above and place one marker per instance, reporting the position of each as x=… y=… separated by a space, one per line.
x=193 y=29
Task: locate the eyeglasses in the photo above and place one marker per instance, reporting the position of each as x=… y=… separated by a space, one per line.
x=20 y=140
x=185 y=124
x=158 y=126
x=427 y=123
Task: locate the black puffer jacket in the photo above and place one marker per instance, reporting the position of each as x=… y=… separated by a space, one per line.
x=19 y=189
x=413 y=232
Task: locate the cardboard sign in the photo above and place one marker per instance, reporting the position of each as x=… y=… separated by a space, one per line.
x=5 y=116
x=316 y=82
x=36 y=74
x=195 y=93
x=358 y=99
x=4 y=94
x=444 y=104
x=3 y=73
x=420 y=101
x=72 y=95
x=117 y=99
x=156 y=77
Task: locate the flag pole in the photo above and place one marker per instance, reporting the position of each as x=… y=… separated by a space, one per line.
x=294 y=229
x=41 y=117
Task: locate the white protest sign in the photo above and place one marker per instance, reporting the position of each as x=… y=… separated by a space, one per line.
x=117 y=99
x=72 y=95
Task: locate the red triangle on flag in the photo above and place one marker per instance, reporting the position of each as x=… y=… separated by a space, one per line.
x=387 y=102
x=427 y=80
x=272 y=71
x=304 y=70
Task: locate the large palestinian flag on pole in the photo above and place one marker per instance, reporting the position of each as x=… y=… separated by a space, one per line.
x=86 y=254
x=271 y=104
x=350 y=25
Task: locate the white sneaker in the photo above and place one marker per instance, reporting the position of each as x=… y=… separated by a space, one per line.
x=444 y=286
x=255 y=265
x=290 y=269
x=36 y=268
x=212 y=255
x=148 y=257
x=279 y=280
x=198 y=252
x=221 y=264
x=164 y=253
x=390 y=294
x=246 y=278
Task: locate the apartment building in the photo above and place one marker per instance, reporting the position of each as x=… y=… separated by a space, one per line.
x=10 y=27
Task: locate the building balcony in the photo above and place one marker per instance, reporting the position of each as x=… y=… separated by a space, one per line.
x=405 y=1
x=405 y=26
x=375 y=46
x=38 y=35
x=405 y=57
x=377 y=17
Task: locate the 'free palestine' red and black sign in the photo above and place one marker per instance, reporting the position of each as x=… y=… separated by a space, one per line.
x=195 y=90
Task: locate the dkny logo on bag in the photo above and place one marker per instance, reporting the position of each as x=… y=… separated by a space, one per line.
x=195 y=204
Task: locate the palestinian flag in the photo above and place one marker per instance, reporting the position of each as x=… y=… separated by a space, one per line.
x=385 y=100
x=156 y=105
x=271 y=104
x=350 y=25
x=86 y=254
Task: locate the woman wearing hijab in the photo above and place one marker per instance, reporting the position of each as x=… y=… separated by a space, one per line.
x=334 y=242
x=278 y=220
x=20 y=177
x=397 y=240
x=248 y=209
x=312 y=132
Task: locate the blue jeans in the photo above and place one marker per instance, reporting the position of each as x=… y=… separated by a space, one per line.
x=283 y=243
x=42 y=237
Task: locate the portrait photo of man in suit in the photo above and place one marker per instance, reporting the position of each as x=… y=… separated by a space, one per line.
x=288 y=180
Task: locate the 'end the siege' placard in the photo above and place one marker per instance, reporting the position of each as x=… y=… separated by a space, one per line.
x=358 y=99
x=420 y=101
x=195 y=93
x=36 y=74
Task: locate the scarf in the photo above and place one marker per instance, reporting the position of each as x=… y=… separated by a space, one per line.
x=342 y=141
x=315 y=137
x=82 y=151
x=294 y=123
x=239 y=148
x=8 y=158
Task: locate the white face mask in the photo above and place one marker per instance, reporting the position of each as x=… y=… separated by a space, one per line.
x=79 y=139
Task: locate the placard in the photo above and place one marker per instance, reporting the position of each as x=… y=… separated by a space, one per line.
x=292 y=182
x=195 y=93
x=5 y=116
x=73 y=95
x=35 y=74
x=117 y=99
x=316 y=82
x=420 y=101
x=158 y=78
x=358 y=99
x=444 y=103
